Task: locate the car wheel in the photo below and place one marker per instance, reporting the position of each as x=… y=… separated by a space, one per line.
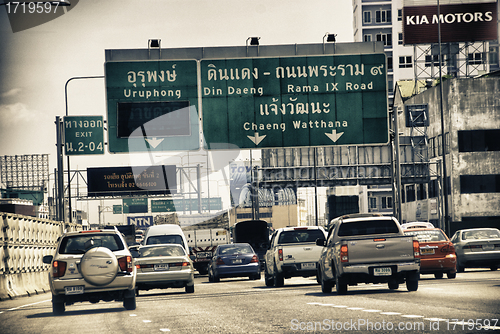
x=279 y=280
x=189 y=288
x=216 y=278
x=268 y=279
x=451 y=275
x=438 y=275
x=210 y=277
x=136 y=292
x=129 y=303
x=58 y=308
x=412 y=281
x=326 y=286
x=99 y=266
x=341 y=285
x=494 y=268
x=393 y=285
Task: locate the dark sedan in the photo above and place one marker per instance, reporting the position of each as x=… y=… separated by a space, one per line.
x=234 y=260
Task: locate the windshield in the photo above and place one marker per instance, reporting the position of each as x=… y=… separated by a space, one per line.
x=428 y=236
x=235 y=250
x=164 y=239
x=481 y=234
x=79 y=244
x=298 y=236
x=161 y=251
x=367 y=227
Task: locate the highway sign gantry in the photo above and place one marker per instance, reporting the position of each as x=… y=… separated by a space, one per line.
x=294 y=101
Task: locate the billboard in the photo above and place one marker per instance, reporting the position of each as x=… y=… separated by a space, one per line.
x=465 y=22
x=119 y=181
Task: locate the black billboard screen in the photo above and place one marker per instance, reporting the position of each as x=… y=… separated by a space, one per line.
x=119 y=181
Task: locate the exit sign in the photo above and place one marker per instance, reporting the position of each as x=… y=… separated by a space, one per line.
x=83 y=135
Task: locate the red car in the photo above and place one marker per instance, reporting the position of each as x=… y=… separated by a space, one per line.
x=437 y=253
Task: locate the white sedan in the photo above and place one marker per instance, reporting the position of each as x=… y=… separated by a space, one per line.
x=162 y=266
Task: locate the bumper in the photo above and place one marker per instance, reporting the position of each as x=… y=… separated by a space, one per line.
x=295 y=270
x=175 y=279
x=126 y=282
x=479 y=259
x=238 y=271
x=446 y=264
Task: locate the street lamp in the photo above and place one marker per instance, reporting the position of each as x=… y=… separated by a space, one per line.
x=330 y=38
x=254 y=41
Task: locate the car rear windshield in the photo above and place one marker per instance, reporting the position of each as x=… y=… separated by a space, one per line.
x=481 y=234
x=161 y=251
x=367 y=227
x=298 y=236
x=79 y=244
x=164 y=239
x=235 y=250
x=428 y=236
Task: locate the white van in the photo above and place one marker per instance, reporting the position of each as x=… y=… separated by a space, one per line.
x=166 y=234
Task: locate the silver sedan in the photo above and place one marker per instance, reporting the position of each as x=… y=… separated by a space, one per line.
x=477 y=248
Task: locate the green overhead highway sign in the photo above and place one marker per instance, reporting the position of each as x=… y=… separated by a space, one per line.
x=83 y=135
x=152 y=105
x=294 y=101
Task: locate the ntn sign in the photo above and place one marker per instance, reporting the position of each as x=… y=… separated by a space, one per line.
x=465 y=22
x=294 y=101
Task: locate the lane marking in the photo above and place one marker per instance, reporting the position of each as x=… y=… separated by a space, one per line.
x=17 y=308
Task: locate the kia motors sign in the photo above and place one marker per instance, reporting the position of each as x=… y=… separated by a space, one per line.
x=466 y=22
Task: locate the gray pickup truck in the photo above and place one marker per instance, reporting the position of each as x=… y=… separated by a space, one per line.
x=367 y=248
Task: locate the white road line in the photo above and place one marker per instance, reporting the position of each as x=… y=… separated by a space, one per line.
x=17 y=308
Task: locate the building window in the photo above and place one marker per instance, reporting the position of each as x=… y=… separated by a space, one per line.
x=432 y=60
x=416 y=115
x=493 y=54
x=421 y=193
x=478 y=140
x=367 y=17
x=475 y=58
x=433 y=188
x=390 y=88
x=386 y=202
x=383 y=16
x=405 y=62
x=410 y=193
x=373 y=202
x=475 y=184
x=400 y=15
x=367 y=38
x=386 y=38
x=400 y=38
x=389 y=63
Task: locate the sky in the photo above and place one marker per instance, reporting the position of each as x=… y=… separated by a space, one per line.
x=36 y=63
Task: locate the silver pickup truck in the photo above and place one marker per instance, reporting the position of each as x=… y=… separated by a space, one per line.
x=292 y=252
x=368 y=248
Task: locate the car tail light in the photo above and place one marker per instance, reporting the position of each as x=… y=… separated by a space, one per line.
x=185 y=264
x=255 y=259
x=448 y=249
x=472 y=246
x=125 y=263
x=344 y=254
x=280 y=254
x=416 y=249
x=58 y=268
x=219 y=261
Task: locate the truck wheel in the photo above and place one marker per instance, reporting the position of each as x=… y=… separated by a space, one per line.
x=58 y=308
x=341 y=285
x=326 y=286
x=279 y=280
x=412 y=281
x=189 y=288
x=129 y=303
x=393 y=285
x=268 y=279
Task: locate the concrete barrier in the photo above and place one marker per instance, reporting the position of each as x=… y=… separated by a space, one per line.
x=24 y=241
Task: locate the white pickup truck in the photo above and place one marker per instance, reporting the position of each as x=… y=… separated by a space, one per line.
x=293 y=253
x=364 y=248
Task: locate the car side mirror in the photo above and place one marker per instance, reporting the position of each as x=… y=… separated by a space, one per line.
x=321 y=242
x=47 y=259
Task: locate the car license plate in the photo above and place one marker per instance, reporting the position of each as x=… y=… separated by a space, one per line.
x=488 y=247
x=426 y=251
x=160 y=267
x=384 y=271
x=309 y=265
x=203 y=255
x=74 y=290
x=237 y=261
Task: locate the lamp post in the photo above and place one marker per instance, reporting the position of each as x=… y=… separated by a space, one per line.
x=67 y=156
